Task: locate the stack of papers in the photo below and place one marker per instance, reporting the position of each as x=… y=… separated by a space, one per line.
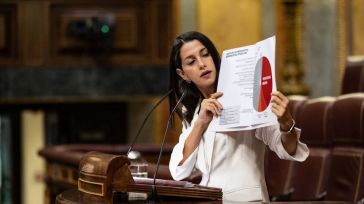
x=247 y=79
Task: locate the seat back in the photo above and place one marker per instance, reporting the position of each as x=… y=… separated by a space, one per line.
x=346 y=180
x=313 y=121
x=277 y=173
x=353 y=80
x=347 y=120
x=295 y=105
x=310 y=178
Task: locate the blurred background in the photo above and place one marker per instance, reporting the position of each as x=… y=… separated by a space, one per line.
x=87 y=72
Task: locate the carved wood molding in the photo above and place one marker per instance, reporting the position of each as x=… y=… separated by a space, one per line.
x=290 y=47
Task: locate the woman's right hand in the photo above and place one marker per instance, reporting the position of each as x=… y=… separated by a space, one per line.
x=210 y=107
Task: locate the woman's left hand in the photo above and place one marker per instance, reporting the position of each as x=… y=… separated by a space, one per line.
x=280 y=109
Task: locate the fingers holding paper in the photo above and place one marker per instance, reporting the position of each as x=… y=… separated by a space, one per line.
x=210 y=107
x=280 y=107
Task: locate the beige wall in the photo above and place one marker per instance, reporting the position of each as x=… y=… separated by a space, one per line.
x=230 y=23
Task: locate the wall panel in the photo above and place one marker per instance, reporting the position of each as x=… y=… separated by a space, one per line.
x=8 y=34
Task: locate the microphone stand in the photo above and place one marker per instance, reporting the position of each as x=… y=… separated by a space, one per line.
x=154 y=190
x=145 y=120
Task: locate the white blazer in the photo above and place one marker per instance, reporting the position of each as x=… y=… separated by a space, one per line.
x=233 y=161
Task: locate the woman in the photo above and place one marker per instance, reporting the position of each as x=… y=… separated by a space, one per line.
x=233 y=161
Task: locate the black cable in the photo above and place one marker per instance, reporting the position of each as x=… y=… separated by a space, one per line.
x=145 y=120
x=163 y=141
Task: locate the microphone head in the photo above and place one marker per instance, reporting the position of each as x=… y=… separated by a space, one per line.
x=134 y=155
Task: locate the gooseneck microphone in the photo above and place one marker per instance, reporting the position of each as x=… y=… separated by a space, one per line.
x=154 y=192
x=145 y=120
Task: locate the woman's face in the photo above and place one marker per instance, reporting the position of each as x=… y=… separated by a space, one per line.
x=198 y=66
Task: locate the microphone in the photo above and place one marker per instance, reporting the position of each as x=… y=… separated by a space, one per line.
x=145 y=120
x=154 y=192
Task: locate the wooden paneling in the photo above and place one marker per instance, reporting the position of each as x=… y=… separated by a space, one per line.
x=127 y=44
x=126 y=27
x=36 y=33
x=33 y=33
x=164 y=22
x=8 y=33
x=142 y=32
x=2 y=32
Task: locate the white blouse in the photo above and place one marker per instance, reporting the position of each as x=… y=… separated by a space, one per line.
x=233 y=161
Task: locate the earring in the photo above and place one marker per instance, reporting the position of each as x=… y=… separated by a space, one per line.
x=188 y=81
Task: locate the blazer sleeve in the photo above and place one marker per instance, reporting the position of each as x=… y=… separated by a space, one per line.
x=271 y=136
x=180 y=172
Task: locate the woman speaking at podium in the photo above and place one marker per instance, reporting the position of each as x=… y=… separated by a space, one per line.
x=233 y=161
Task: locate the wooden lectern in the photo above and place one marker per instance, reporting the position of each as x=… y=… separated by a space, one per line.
x=101 y=175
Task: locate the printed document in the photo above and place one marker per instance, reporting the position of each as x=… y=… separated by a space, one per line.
x=247 y=79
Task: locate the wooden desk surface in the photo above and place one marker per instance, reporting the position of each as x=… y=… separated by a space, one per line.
x=73 y=197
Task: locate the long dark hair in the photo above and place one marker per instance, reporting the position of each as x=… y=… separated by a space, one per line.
x=193 y=95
